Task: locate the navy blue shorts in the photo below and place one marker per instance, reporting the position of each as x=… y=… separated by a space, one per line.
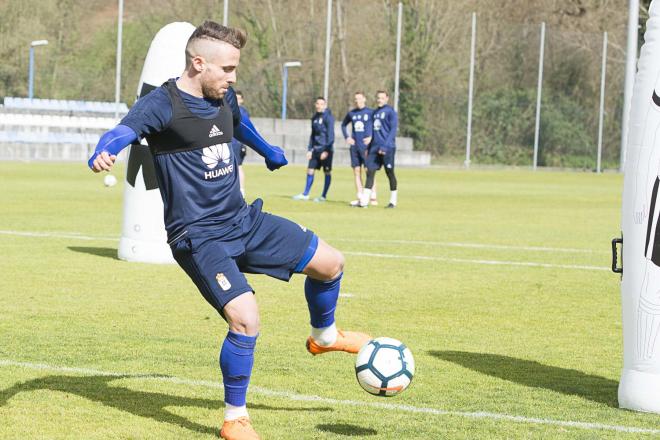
x=375 y=161
x=358 y=156
x=272 y=246
x=315 y=163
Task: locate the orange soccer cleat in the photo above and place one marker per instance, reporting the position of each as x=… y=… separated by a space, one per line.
x=238 y=429
x=350 y=342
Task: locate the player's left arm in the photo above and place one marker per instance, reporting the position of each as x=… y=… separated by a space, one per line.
x=391 y=135
x=344 y=123
x=245 y=133
x=329 y=122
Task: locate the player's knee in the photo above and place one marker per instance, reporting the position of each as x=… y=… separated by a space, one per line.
x=337 y=267
x=246 y=324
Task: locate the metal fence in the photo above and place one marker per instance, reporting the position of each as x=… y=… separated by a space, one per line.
x=496 y=123
x=545 y=97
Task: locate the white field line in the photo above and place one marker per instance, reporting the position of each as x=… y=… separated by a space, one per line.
x=78 y=236
x=338 y=402
x=75 y=236
x=468 y=245
x=71 y=235
x=470 y=261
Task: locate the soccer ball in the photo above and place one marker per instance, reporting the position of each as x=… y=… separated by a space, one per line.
x=109 y=180
x=384 y=367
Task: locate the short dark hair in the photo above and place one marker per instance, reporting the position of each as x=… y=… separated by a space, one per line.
x=383 y=92
x=319 y=97
x=239 y=93
x=360 y=92
x=210 y=30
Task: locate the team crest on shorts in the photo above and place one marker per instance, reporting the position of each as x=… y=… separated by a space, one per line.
x=223 y=281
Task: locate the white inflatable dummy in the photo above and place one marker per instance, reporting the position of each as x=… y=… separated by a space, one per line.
x=143 y=237
x=639 y=388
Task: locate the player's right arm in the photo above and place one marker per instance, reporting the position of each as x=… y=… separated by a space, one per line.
x=109 y=146
x=310 y=144
x=149 y=115
x=347 y=120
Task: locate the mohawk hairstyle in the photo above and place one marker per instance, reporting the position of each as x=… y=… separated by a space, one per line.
x=210 y=30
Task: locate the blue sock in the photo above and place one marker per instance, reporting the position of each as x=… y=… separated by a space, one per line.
x=322 y=300
x=236 y=359
x=326 y=184
x=308 y=185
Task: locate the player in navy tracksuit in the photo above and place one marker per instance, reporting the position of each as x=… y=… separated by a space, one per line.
x=361 y=121
x=239 y=150
x=382 y=148
x=214 y=235
x=320 y=149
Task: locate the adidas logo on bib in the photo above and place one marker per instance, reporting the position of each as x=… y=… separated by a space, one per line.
x=215 y=131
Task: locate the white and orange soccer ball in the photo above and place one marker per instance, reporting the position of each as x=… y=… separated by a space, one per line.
x=384 y=367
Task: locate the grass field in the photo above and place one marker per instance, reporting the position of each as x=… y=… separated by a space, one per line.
x=497 y=281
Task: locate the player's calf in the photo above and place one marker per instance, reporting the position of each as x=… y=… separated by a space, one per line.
x=324 y=273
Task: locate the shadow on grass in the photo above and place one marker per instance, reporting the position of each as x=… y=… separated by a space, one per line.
x=98 y=251
x=140 y=403
x=533 y=374
x=345 y=429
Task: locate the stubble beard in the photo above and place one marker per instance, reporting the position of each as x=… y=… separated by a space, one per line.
x=211 y=93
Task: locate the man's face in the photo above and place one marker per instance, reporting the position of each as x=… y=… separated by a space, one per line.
x=381 y=99
x=360 y=100
x=218 y=69
x=319 y=105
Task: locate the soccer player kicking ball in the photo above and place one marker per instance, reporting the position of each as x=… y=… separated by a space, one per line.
x=214 y=235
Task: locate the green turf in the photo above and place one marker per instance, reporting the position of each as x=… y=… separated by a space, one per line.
x=535 y=342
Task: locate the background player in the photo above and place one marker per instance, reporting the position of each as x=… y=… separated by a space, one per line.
x=320 y=149
x=382 y=148
x=214 y=235
x=361 y=120
x=237 y=147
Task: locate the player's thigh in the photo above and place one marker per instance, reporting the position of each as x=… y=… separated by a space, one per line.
x=327 y=162
x=363 y=157
x=242 y=152
x=374 y=161
x=275 y=247
x=326 y=264
x=315 y=162
x=388 y=159
x=215 y=274
x=355 y=157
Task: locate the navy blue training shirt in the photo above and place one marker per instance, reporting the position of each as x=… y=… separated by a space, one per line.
x=199 y=186
x=385 y=125
x=362 y=125
x=323 y=132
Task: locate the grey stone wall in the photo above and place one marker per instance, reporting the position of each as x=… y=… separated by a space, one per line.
x=60 y=136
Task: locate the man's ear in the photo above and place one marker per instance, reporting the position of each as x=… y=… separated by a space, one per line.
x=199 y=63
